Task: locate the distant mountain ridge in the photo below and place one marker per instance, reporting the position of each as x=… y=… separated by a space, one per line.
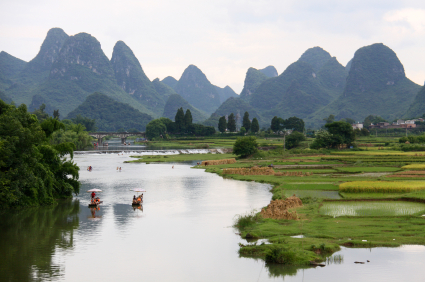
x=195 y=88
x=376 y=85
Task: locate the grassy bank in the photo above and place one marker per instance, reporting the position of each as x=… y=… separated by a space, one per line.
x=323 y=234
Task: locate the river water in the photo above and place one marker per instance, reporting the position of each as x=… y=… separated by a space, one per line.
x=183 y=233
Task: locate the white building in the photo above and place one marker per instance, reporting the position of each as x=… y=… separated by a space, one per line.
x=357 y=125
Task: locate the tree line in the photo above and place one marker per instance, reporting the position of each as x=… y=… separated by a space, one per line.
x=229 y=124
x=182 y=126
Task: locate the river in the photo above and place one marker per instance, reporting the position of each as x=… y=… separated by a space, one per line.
x=183 y=233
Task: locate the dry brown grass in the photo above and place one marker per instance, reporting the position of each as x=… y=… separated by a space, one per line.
x=219 y=162
x=278 y=209
x=250 y=171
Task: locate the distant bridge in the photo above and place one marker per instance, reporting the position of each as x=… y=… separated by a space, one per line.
x=122 y=135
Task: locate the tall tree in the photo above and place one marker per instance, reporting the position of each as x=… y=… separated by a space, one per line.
x=56 y=114
x=179 y=119
x=246 y=122
x=231 y=123
x=222 y=124
x=188 y=118
x=275 y=125
x=294 y=123
x=255 y=126
x=329 y=119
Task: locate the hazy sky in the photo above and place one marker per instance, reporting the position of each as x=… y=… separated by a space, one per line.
x=222 y=38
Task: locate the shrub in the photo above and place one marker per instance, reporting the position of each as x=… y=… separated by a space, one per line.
x=245 y=146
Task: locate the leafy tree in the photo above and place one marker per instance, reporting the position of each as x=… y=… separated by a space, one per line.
x=342 y=129
x=275 y=124
x=246 y=123
x=242 y=131
x=329 y=119
x=231 y=123
x=245 y=146
x=155 y=129
x=294 y=123
x=179 y=120
x=255 y=127
x=188 y=118
x=339 y=132
x=325 y=140
x=56 y=114
x=294 y=139
x=32 y=171
x=40 y=114
x=222 y=124
x=372 y=119
x=88 y=123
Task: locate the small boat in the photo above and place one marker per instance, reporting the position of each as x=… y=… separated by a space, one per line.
x=136 y=203
x=94 y=205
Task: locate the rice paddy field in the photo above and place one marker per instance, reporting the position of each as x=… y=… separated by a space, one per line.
x=369 y=198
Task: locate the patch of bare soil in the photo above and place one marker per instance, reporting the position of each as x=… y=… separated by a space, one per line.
x=278 y=209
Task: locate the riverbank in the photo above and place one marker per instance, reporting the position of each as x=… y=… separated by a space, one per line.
x=315 y=179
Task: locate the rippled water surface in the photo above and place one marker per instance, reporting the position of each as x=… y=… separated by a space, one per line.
x=183 y=233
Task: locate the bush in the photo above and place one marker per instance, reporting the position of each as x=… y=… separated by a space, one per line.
x=281 y=255
x=245 y=146
x=294 y=139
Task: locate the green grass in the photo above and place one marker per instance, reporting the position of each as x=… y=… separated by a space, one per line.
x=179 y=158
x=292 y=186
x=366 y=169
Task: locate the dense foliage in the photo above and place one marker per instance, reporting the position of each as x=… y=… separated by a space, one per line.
x=182 y=126
x=255 y=126
x=72 y=133
x=294 y=123
x=338 y=133
x=231 y=123
x=246 y=123
x=294 y=139
x=222 y=124
x=32 y=171
x=372 y=119
x=109 y=114
x=245 y=146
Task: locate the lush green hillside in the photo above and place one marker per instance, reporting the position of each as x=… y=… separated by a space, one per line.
x=376 y=85
x=111 y=115
x=333 y=77
x=417 y=108
x=225 y=93
x=269 y=71
x=195 y=88
x=163 y=89
x=175 y=102
x=316 y=57
x=170 y=81
x=80 y=69
x=253 y=79
x=296 y=92
x=10 y=67
x=132 y=79
x=238 y=107
x=37 y=70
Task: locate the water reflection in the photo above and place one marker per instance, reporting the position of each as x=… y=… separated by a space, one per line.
x=30 y=237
